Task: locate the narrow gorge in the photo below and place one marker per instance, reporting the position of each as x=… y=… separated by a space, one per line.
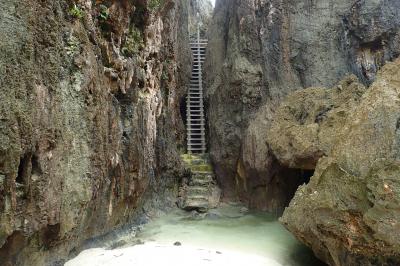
x=198 y=132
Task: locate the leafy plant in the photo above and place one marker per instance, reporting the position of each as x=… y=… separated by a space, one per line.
x=155 y=4
x=164 y=75
x=133 y=42
x=76 y=12
x=104 y=13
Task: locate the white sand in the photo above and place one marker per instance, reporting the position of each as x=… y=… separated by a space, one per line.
x=154 y=254
x=229 y=239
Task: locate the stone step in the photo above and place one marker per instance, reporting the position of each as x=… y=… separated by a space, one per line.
x=200 y=190
x=199 y=205
x=200 y=182
x=203 y=175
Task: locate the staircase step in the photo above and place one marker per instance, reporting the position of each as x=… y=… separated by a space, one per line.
x=198 y=190
x=199 y=182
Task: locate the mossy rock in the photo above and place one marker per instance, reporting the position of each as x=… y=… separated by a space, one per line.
x=197 y=163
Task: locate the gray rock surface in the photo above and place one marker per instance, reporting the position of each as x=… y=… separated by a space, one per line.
x=260 y=51
x=89 y=119
x=349 y=213
x=200 y=10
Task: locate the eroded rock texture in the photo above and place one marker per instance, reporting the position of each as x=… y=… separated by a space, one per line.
x=349 y=213
x=306 y=124
x=259 y=52
x=200 y=10
x=89 y=118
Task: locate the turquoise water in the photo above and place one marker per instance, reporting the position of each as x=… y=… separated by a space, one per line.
x=253 y=233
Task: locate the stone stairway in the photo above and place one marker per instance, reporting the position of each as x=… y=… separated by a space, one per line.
x=196 y=142
x=199 y=192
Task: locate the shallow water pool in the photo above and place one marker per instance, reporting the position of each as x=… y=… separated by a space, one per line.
x=223 y=236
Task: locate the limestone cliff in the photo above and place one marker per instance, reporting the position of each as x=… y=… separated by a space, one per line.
x=349 y=213
x=259 y=52
x=89 y=118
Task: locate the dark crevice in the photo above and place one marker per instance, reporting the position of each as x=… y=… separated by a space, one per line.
x=10 y=250
x=24 y=169
x=182 y=108
x=293 y=178
x=36 y=168
x=50 y=235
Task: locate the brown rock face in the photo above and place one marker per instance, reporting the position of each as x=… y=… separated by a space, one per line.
x=89 y=118
x=261 y=51
x=306 y=124
x=349 y=213
x=280 y=153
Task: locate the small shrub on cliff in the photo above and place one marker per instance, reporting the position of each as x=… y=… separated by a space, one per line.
x=155 y=4
x=104 y=13
x=76 y=12
x=133 y=42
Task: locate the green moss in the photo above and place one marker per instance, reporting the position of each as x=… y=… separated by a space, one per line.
x=133 y=43
x=154 y=5
x=76 y=12
x=197 y=163
x=104 y=13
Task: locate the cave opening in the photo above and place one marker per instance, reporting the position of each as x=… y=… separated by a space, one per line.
x=12 y=247
x=297 y=178
x=305 y=175
x=182 y=109
x=50 y=235
x=280 y=190
x=24 y=169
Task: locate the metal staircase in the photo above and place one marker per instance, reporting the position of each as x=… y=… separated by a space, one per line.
x=196 y=139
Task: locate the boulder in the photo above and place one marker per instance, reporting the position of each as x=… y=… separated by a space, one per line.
x=349 y=213
x=307 y=123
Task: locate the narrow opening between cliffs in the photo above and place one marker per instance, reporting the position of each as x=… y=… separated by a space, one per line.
x=228 y=235
x=207 y=229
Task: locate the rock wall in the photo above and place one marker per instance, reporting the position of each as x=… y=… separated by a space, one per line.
x=259 y=52
x=349 y=213
x=89 y=118
x=200 y=10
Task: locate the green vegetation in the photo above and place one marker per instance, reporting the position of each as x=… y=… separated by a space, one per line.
x=197 y=163
x=153 y=5
x=164 y=75
x=76 y=12
x=133 y=42
x=104 y=13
